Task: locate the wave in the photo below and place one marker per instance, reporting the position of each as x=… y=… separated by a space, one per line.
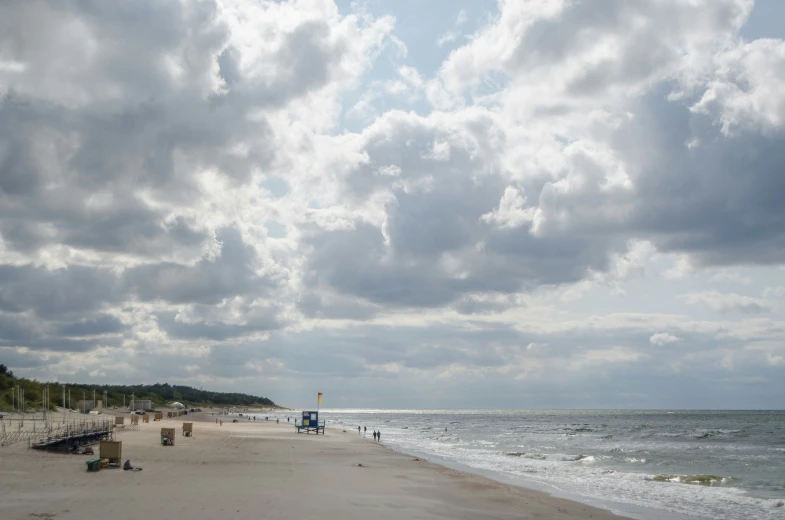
x=635 y=460
x=553 y=457
x=701 y=480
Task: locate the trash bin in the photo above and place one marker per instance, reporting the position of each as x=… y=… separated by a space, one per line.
x=93 y=464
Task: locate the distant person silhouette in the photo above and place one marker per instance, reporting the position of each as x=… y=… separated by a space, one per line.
x=379 y=436
x=374 y=435
x=358 y=430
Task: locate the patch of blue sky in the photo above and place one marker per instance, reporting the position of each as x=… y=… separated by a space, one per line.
x=429 y=30
x=765 y=20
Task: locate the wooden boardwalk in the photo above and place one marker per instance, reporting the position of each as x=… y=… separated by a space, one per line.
x=57 y=436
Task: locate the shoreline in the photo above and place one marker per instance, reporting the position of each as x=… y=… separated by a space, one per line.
x=533 y=486
x=260 y=469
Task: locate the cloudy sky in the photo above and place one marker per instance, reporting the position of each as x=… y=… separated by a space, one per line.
x=452 y=203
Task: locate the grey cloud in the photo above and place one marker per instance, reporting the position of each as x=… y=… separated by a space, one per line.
x=651 y=38
x=56 y=293
x=218 y=331
x=351 y=262
x=719 y=201
x=18 y=360
x=471 y=304
x=29 y=331
x=98 y=325
x=436 y=247
x=99 y=160
x=151 y=132
x=16 y=329
x=322 y=303
x=232 y=273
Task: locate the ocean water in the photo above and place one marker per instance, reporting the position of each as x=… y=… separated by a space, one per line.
x=644 y=464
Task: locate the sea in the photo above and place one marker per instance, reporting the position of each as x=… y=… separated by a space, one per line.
x=645 y=464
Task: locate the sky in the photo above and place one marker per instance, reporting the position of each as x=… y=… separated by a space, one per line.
x=401 y=204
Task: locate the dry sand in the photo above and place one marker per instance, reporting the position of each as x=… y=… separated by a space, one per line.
x=253 y=470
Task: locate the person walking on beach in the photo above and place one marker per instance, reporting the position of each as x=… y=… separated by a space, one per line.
x=365 y=430
x=379 y=436
x=358 y=430
x=374 y=435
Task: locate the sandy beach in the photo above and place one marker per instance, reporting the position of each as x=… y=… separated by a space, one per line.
x=252 y=470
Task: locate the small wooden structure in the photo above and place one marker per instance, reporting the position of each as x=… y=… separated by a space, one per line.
x=169 y=414
x=119 y=421
x=169 y=434
x=188 y=429
x=158 y=416
x=112 y=451
x=146 y=418
x=310 y=423
x=134 y=419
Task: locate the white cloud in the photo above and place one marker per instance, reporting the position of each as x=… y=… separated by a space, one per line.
x=454 y=34
x=511 y=212
x=733 y=277
x=663 y=338
x=724 y=303
x=748 y=87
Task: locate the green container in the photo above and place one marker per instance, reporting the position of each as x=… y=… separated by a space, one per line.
x=93 y=464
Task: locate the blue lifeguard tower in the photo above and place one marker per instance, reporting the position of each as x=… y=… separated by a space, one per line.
x=310 y=423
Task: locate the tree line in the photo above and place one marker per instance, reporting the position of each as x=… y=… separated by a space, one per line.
x=160 y=394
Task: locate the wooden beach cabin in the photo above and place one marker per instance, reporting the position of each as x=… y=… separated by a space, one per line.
x=119 y=421
x=169 y=433
x=146 y=418
x=188 y=429
x=159 y=416
x=310 y=423
x=134 y=419
x=112 y=451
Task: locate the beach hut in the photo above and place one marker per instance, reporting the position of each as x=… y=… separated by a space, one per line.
x=119 y=421
x=310 y=423
x=167 y=433
x=111 y=450
x=188 y=429
x=158 y=416
x=134 y=419
x=141 y=404
x=146 y=418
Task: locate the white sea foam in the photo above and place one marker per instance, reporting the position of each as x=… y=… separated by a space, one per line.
x=610 y=460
